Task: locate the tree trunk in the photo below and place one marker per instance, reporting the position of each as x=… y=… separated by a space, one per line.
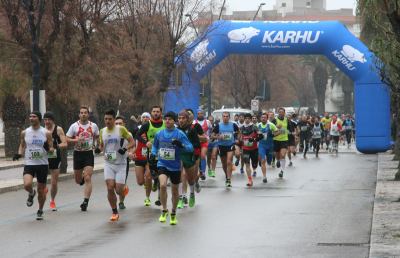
x=397 y=143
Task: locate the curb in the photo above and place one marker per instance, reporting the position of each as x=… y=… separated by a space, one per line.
x=62 y=177
x=385 y=229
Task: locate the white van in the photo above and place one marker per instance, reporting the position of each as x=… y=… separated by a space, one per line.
x=217 y=114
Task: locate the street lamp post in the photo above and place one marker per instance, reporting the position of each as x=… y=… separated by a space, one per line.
x=259 y=7
x=191 y=21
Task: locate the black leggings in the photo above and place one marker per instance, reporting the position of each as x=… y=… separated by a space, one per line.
x=316 y=144
x=304 y=143
x=348 y=136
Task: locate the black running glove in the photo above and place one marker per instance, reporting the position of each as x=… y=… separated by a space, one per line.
x=16 y=157
x=122 y=151
x=177 y=143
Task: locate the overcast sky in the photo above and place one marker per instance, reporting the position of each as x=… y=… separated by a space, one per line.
x=245 y=5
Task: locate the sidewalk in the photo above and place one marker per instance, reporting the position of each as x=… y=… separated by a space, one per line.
x=11 y=173
x=385 y=232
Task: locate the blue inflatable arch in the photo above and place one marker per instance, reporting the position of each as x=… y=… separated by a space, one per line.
x=329 y=38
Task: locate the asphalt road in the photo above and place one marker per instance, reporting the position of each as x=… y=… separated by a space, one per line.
x=322 y=208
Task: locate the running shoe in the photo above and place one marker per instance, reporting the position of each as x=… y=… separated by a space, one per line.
x=237 y=162
x=147 y=202
x=84 y=206
x=213 y=173
x=228 y=183
x=273 y=164
x=121 y=206
x=163 y=216
x=249 y=182
x=185 y=200
x=254 y=174
x=290 y=163
x=53 y=205
x=114 y=217
x=154 y=187
x=210 y=173
x=197 y=187
x=126 y=190
x=173 y=221
x=203 y=176
x=278 y=164
x=265 y=180
x=281 y=174
x=39 y=215
x=180 y=203
x=241 y=171
x=29 y=201
x=158 y=203
x=192 y=200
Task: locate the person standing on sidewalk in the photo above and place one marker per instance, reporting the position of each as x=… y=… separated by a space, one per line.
x=35 y=142
x=59 y=141
x=83 y=134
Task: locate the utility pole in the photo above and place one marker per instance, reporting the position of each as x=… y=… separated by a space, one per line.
x=259 y=7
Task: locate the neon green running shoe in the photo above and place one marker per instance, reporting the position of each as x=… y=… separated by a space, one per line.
x=163 y=216
x=213 y=173
x=210 y=173
x=192 y=200
x=180 y=203
x=147 y=202
x=173 y=220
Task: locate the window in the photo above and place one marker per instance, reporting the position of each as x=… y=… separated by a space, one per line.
x=283 y=4
x=308 y=4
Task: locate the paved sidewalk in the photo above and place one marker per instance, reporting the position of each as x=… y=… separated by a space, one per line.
x=385 y=232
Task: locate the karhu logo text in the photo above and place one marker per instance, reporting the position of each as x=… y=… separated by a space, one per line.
x=292 y=37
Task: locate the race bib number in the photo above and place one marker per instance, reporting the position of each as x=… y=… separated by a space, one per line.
x=226 y=136
x=144 y=152
x=36 y=154
x=265 y=136
x=303 y=128
x=167 y=153
x=317 y=133
x=86 y=144
x=348 y=127
x=110 y=155
x=52 y=155
x=282 y=130
x=247 y=143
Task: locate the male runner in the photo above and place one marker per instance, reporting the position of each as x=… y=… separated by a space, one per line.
x=212 y=149
x=335 y=129
x=35 y=142
x=305 y=134
x=168 y=145
x=317 y=130
x=83 y=134
x=206 y=126
x=190 y=160
x=227 y=134
x=266 y=132
x=115 y=159
x=146 y=135
x=248 y=137
x=59 y=141
x=292 y=132
x=348 y=125
x=326 y=121
x=120 y=121
x=281 y=140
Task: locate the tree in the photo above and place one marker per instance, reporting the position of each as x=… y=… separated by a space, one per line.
x=381 y=31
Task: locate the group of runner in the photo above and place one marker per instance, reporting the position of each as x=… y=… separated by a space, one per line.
x=172 y=146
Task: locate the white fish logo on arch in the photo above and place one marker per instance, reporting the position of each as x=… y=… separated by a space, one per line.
x=348 y=55
x=243 y=35
x=200 y=51
x=353 y=54
x=201 y=56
